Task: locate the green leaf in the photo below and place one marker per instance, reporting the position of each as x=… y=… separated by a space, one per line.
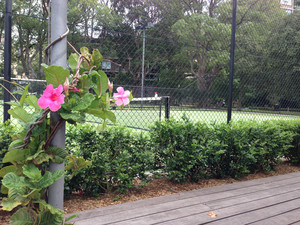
x=34 y=194
x=15 y=155
x=32 y=100
x=73 y=60
x=47 y=218
x=96 y=59
x=103 y=114
x=21 y=217
x=32 y=172
x=12 y=180
x=84 y=102
x=80 y=163
x=16 y=104
x=17 y=194
x=55 y=75
x=49 y=178
x=101 y=82
x=85 y=83
x=45 y=206
x=20 y=114
x=71 y=217
x=25 y=92
x=85 y=52
x=7 y=169
x=16 y=143
x=9 y=204
x=43 y=157
x=74 y=116
x=59 y=154
x=4 y=190
x=104 y=82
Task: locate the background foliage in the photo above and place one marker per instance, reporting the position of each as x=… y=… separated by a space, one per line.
x=186 y=52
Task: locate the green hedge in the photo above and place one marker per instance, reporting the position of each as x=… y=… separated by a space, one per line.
x=118 y=157
x=188 y=151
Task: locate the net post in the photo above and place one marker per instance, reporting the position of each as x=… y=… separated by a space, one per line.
x=160 y=110
x=167 y=107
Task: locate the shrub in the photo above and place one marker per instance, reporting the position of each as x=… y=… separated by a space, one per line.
x=117 y=155
x=188 y=151
x=292 y=153
x=6 y=132
x=178 y=149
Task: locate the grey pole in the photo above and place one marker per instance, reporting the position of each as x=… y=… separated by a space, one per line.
x=59 y=58
x=230 y=87
x=7 y=57
x=143 y=64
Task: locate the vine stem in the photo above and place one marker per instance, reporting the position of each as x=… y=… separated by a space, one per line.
x=31 y=127
x=56 y=128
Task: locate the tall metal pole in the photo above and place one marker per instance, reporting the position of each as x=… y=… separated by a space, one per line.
x=7 y=57
x=143 y=65
x=230 y=87
x=59 y=58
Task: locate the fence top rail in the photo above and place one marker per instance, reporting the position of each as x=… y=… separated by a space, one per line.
x=22 y=79
x=149 y=99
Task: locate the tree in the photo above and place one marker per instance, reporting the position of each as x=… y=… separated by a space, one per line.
x=31 y=26
x=255 y=18
x=205 y=45
x=283 y=61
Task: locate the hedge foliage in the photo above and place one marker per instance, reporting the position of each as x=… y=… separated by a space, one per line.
x=118 y=157
x=6 y=132
x=188 y=151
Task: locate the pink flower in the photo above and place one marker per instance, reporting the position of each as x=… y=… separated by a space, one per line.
x=52 y=98
x=122 y=97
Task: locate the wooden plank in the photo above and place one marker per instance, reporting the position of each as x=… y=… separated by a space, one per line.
x=262 y=213
x=185 y=199
x=193 y=209
x=244 y=212
x=247 y=197
x=289 y=217
x=170 y=211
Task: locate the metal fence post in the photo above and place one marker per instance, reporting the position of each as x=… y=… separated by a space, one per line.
x=59 y=58
x=230 y=87
x=7 y=58
x=167 y=107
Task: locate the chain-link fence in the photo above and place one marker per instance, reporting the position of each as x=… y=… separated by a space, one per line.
x=174 y=55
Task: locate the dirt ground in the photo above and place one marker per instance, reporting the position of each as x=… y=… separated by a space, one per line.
x=158 y=187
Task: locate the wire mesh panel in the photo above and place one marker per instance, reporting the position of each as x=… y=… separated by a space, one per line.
x=179 y=49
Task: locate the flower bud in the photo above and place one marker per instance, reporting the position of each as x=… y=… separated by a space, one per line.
x=110 y=86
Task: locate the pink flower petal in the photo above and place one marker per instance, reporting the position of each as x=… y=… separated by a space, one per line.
x=43 y=102
x=119 y=102
x=126 y=101
x=61 y=99
x=58 y=90
x=48 y=91
x=127 y=93
x=120 y=90
x=54 y=106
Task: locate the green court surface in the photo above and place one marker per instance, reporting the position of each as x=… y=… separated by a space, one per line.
x=137 y=118
x=145 y=118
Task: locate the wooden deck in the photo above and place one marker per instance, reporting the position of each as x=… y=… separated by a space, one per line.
x=272 y=200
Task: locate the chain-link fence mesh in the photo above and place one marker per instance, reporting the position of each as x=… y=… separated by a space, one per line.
x=184 y=46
